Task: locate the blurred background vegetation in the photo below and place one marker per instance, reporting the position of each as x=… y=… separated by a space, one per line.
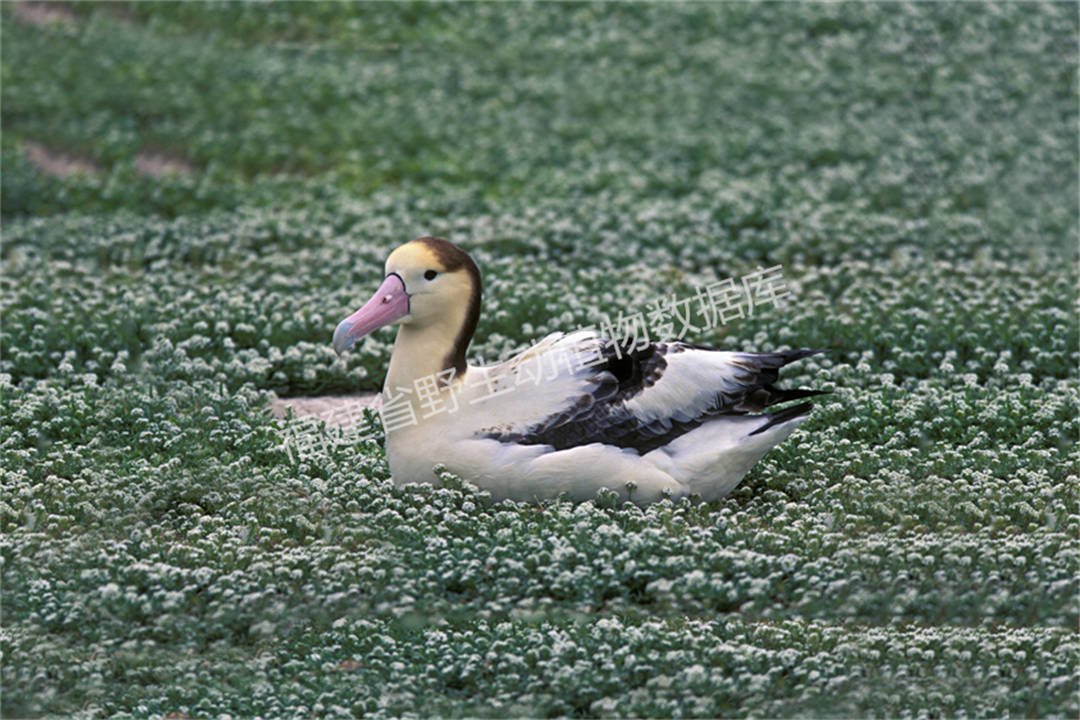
x=912 y=110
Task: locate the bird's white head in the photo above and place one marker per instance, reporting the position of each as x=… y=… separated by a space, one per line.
x=430 y=283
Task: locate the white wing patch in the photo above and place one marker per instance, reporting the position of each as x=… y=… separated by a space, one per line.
x=686 y=388
x=544 y=380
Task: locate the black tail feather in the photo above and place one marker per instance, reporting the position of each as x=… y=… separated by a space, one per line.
x=790 y=356
x=760 y=371
x=782 y=416
x=779 y=395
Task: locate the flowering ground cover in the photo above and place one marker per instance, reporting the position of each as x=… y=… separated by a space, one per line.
x=911 y=550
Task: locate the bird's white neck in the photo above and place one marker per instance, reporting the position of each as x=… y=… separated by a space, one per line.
x=421 y=352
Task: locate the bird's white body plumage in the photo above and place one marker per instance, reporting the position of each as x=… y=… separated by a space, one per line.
x=541 y=383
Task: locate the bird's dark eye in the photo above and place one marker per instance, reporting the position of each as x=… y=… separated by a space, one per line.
x=430 y=275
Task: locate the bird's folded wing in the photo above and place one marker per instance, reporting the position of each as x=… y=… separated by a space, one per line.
x=576 y=389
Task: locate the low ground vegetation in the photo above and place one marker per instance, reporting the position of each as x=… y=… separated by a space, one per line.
x=911 y=550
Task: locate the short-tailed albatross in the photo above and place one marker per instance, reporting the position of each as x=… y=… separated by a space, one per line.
x=574 y=413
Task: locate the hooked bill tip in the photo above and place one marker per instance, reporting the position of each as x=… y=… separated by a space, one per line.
x=342 y=341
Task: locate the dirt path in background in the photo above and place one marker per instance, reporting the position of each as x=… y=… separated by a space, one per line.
x=42 y=13
x=331 y=408
x=59 y=164
x=156 y=164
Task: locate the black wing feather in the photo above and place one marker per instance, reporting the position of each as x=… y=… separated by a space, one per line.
x=601 y=415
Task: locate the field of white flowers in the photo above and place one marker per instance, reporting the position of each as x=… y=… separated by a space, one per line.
x=911 y=551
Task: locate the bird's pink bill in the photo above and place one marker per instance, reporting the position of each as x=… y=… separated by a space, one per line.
x=389 y=304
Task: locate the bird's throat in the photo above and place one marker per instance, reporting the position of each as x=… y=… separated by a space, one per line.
x=421 y=353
